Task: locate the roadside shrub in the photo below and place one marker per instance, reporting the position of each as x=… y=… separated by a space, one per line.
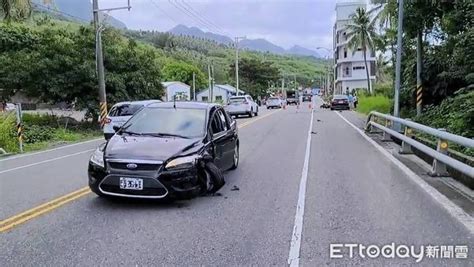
x=37 y=133
x=455 y=114
x=40 y=119
x=8 y=140
x=384 y=89
x=378 y=103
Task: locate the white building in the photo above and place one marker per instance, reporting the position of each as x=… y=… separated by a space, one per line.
x=221 y=92
x=349 y=68
x=181 y=90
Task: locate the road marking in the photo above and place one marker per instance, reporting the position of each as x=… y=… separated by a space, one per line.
x=52 y=149
x=256 y=119
x=16 y=220
x=453 y=210
x=46 y=161
x=295 y=245
x=25 y=216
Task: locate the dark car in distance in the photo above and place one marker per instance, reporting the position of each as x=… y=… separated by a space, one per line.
x=306 y=98
x=167 y=150
x=340 y=102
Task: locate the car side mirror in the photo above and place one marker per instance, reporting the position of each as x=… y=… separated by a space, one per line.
x=116 y=128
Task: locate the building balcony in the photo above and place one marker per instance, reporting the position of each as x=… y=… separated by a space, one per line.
x=353 y=78
x=354 y=59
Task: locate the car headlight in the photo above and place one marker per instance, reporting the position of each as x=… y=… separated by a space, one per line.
x=98 y=157
x=182 y=162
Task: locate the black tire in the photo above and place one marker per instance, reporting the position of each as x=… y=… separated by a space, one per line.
x=216 y=178
x=236 y=158
x=268 y=107
x=256 y=113
x=251 y=113
x=332 y=109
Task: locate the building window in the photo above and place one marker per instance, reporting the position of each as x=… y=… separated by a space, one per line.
x=345 y=37
x=359 y=49
x=218 y=97
x=347 y=71
x=345 y=52
x=359 y=68
x=372 y=68
x=205 y=98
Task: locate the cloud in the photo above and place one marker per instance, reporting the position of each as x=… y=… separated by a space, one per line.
x=286 y=23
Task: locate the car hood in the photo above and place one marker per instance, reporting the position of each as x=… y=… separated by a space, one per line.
x=149 y=148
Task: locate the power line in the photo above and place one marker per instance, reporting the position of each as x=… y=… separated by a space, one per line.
x=163 y=11
x=204 y=18
x=191 y=15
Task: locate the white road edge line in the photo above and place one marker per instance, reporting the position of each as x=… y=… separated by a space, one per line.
x=45 y=161
x=456 y=212
x=295 y=245
x=52 y=149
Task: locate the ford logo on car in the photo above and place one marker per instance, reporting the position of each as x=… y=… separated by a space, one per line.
x=132 y=166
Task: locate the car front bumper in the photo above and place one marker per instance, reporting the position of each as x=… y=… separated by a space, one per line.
x=180 y=184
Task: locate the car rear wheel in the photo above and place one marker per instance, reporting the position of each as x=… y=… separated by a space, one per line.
x=256 y=113
x=251 y=113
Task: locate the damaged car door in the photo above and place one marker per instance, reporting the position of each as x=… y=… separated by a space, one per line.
x=223 y=140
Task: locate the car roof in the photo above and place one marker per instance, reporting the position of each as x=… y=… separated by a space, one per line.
x=340 y=96
x=238 y=96
x=140 y=102
x=184 y=104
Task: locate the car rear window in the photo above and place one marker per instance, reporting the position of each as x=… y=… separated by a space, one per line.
x=124 y=110
x=273 y=98
x=340 y=97
x=237 y=99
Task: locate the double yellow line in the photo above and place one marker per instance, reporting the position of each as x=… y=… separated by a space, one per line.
x=21 y=218
x=11 y=222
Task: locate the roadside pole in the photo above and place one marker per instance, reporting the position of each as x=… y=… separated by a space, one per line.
x=398 y=66
x=237 y=63
x=194 y=86
x=419 y=62
x=100 y=57
x=19 y=126
x=210 y=83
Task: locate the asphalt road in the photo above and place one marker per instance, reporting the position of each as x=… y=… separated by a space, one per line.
x=353 y=195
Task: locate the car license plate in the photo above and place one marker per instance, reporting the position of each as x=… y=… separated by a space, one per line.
x=131 y=183
x=341 y=102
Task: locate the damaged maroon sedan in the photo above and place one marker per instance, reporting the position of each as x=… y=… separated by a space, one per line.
x=167 y=150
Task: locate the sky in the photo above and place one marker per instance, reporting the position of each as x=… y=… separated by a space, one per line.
x=307 y=23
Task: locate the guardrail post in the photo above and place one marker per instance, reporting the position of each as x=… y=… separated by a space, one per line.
x=406 y=148
x=439 y=168
x=386 y=137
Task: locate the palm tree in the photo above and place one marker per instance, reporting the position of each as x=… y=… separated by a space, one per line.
x=15 y=9
x=361 y=34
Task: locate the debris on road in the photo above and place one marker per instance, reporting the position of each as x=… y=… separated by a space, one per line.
x=235 y=188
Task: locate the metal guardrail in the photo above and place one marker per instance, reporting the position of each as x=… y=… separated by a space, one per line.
x=440 y=155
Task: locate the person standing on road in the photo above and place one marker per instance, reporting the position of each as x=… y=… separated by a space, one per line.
x=351 y=101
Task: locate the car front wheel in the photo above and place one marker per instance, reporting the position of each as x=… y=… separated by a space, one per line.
x=235 y=159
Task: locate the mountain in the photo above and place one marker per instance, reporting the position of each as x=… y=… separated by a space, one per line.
x=260 y=45
x=196 y=32
x=301 y=51
x=77 y=10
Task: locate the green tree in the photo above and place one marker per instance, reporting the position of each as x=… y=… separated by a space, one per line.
x=183 y=72
x=361 y=34
x=13 y=10
x=255 y=75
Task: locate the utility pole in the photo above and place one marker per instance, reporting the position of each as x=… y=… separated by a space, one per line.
x=282 y=86
x=398 y=64
x=194 y=86
x=210 y=82
x=99 y=56
x=237 y=62
x=419 y=62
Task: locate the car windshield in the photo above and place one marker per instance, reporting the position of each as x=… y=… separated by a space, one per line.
x=273 y=98
x=189 y=123
x=124 y=110
x=237 y=100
